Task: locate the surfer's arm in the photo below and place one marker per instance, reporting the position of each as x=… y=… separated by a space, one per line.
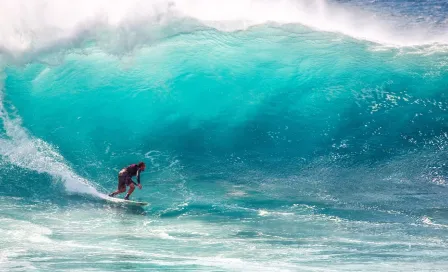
x=138 y=177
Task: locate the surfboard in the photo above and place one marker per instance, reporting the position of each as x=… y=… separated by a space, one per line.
x=124 y=202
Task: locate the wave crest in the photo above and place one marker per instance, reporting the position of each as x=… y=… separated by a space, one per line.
x=27 y=27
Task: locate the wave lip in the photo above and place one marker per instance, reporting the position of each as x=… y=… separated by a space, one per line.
x=42 y=25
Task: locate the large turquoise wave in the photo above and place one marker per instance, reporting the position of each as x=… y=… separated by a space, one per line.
x=276 y=134
x=258 y=95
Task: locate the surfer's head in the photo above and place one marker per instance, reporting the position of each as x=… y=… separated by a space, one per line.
x=142 y=166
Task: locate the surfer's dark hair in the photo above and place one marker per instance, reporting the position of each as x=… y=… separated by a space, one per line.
x=140 y=164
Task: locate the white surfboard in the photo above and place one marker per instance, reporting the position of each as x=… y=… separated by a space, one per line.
x=124 y=202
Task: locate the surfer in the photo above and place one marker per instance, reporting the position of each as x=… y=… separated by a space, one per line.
x=125 y=178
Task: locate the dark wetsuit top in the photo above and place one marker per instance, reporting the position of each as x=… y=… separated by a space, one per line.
x=133 y=170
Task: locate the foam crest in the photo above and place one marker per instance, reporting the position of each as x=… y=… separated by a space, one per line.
x=27 y=26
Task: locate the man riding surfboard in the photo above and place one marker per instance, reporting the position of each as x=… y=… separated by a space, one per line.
x=125 y=179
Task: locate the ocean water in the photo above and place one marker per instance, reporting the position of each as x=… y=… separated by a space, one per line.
x=286 y=135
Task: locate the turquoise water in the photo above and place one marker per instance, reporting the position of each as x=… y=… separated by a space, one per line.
x=278 y=136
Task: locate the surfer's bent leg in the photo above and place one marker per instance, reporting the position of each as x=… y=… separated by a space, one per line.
x=131 y=185
x=121 y=185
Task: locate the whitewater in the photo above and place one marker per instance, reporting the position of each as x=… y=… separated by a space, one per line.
x=286 y=135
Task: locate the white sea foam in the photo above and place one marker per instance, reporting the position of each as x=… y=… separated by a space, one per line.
x=428 y=221
x=33 y=26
